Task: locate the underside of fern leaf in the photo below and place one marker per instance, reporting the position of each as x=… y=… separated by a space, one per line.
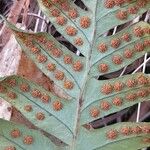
x=77 y=76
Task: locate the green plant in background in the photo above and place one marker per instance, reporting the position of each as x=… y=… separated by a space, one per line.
x=87 y=98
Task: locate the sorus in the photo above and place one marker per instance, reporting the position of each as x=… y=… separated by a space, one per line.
x=56 y=52
x=78 y=41
x=68 y=84
x=36 y=93
x=102 y=47
x=138 y=32
x=107 y=88
x=103 y=68
x=73 y=13
x=71 y=31
x=115 y=43
x=117 y=59
x=131 y=83
x=118 y=86
x=122 y=15
x=139 y=47
x=55 y=12
x=59 y=75
x=28 y=108
x=67 y=59
x=10 y=148
x=131 y=96
x=40 y=116
x=61 y=20
x=94 y=112
x=112 y=134
x=133 y=10
x=57 y=105
x=24 y=87
x=28 y=140
x=45 y=98
x=12 y=95
x=105 y=105
x=77 y=66
x=109 y=3
x=126 y=37
x=125 y=130
x=41 y=58
x=15 y=133
x=117 y=101
x=85 y=22
x=128 y=53
x=51 y=67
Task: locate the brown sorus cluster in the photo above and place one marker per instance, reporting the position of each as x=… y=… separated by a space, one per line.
x=24 y=87
x=68 y=84
x=109 y=3
x=128 y=53
x=59 y=75
x=138 y=32
x=126 y=37
x=68 y=59
x=55 y=12
x=139 y=47
x=28 y=108
x=142 y=93
x=105 y=105
x=12 y=95
x=77 y=66
x=28 y=140
x=133 y=10
x=142 y=80
x=11 y=82
x=131 y=96
x=103 y=68
x=126 y=131
x=78 y=41
x=36 y=93
x=2 y=89
x=73 y=13
x=61 y=20
x=131 y=83
x=107 y=88
x=51 y=67
x=94 y=112
x=41 y=58
x=40 y=116
x=115 y=43
x=136 y=130
x=112 y=134
x=45 y=98
x=117 y=59
x=71 y=31
x=117 y=101
x=102 y=47
x=118 y=86
x=15 y=133
x=122 y=15
x=85 y=22
x=57 y=105
x=56 y=52
x=10 y=148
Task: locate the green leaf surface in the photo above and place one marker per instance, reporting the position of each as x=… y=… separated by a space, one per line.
x=85 y=34
x=97 y=139
x=29 y=41
x=39 y=140
x=107 y=57
x=58 y=123
x=94 y=96
x=106 y=17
